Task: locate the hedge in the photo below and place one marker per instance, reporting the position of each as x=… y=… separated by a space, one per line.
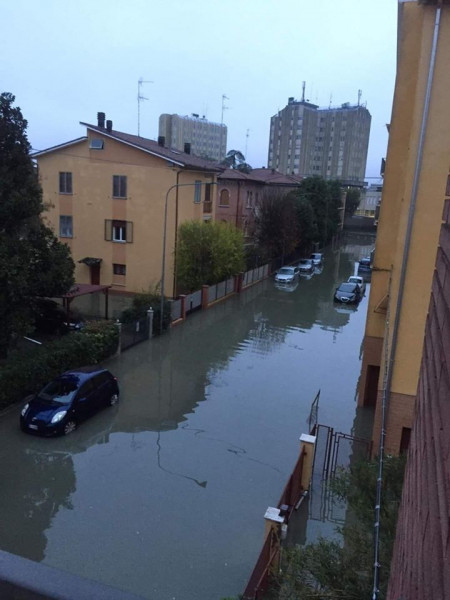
x=26 y=373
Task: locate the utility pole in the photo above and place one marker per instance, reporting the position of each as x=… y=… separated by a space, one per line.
x=139 y=98
x=221 y=122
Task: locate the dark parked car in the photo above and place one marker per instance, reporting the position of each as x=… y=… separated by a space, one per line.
x=69 y=399
x=365 y=264
x=348 y=293
x=51 y=318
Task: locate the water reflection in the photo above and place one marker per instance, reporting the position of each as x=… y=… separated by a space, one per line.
x=210 y=416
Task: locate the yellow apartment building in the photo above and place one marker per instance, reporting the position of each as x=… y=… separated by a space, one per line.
x=415 y=185
x=106 y=194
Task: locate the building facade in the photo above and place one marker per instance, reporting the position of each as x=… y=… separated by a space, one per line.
x=239 y=195
x=204 y=138
x=415 y=184
x=106 y=195
x=370 y=199
x=305 y=140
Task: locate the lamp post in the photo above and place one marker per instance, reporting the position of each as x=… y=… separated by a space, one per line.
x=163 y=265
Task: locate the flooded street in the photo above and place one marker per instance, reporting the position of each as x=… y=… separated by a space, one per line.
x=164 y=494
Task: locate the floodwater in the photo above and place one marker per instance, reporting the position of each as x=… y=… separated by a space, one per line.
x=164 y=495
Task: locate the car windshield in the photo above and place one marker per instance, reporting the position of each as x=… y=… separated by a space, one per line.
x=354 y=280
x=305 y=261
x=347 y=287
x=286 y=271
x=315 y=256
x=61 y=390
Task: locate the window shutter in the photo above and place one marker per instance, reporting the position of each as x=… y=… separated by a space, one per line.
x=108 y=230
x=129 y=232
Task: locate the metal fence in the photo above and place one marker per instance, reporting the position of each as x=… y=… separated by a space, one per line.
x=175 y=310
x=134 y=332
x=255 y=275
x=220 y=290
x=193 y=301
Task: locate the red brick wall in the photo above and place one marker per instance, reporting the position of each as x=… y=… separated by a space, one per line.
x=420 y=568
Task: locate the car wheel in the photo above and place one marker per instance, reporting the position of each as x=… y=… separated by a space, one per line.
x=69 y=427
x=114 y=399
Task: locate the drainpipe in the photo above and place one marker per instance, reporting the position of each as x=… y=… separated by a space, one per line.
x=390 y=367
x=238 y=203
x=176 y=237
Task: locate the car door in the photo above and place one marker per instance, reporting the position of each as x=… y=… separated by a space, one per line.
x=86 y=401
x=103 y=382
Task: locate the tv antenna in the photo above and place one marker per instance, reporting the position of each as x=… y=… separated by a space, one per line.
x=221 y=124
x=303 y=90
x=359 y=97
x=247 y=135
x=140 y=97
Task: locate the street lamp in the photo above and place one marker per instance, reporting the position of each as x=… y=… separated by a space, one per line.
x=163 y=265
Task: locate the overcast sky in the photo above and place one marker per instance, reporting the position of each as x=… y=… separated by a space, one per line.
x=66 y=60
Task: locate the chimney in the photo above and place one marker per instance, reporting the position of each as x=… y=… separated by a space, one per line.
x=108 y=125
x=161 y=140
x=101 y=119
x=187 y=147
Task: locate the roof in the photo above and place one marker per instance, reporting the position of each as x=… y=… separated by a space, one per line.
x=267 y=176
x=59 y=146
x=152 y=147
x=81 y=289
x=272 y=176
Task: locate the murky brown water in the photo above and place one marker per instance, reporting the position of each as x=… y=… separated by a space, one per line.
x=164 y=495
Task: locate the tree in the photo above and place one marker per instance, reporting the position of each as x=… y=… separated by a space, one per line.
x=276 y=224
x=208 y=253
x=325 y=199
x=352 y=199
x=328 y=569
x=236 y=160
x=32 y=261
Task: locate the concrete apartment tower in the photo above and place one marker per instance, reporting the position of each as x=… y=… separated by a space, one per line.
x=331 y=142
x=194 y=134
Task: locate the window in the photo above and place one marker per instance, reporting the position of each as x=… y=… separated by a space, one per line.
x=198 y=192
x=119 y=269
x=65 y=182
x=65 y=226
x=118 y=231
x=207 y=205
x=119 y=186
x=224 y=199
x=249 y=199
x=96 y=144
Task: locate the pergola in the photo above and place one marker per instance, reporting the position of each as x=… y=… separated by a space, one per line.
x=81 y=289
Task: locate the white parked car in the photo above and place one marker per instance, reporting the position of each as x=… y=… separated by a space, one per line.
x=359 y=281
x=286 y=275
x=317 y=258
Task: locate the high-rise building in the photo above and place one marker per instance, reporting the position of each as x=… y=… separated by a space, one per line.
x=206 y=139
x=306 y=140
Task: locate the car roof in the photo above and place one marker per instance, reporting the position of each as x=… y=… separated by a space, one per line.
x=85 y=372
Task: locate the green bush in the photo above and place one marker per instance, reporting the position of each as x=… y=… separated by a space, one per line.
x=140 y=305
x=26 y=372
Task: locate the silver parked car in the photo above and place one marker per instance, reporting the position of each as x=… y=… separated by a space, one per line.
x=286 y=275
x=306 y=265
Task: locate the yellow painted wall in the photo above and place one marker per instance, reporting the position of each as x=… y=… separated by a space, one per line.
x=148 y=180
x=416 y=26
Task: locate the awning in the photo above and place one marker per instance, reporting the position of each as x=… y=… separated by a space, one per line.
x=90 y=261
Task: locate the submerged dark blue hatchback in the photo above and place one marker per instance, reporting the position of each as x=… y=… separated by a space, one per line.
x=69 y=399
